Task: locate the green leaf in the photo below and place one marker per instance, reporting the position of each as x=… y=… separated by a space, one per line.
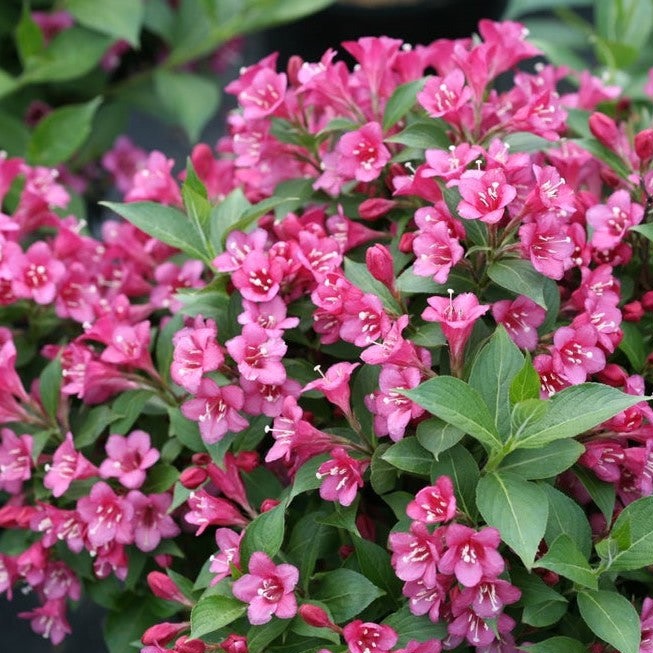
x=459 y=404
x=165 y=223
x=71 y=54
x=517 y=8
x=526 y=383
x=15 y=135
x=543 y=606
x=50 y=387
x=374 y=563
x=518 y=508
x=121 y=19
x=161 y=478
x=545 y=614
x=409 y=456
x=91 y=425
x=612 y=618
x=575 y=410
x=423 y=134
x=360 y=276
x=461 y=467
x=645 y=229
x=568 y=518
x=214 y=612
x=412 y=627
x=602 y=493
x=225 y=215
x=185 y=430
x=187 y=99
x=258 y=637
x=265 y=534
x=636 y=519
x=383 y=475
x=547 y=462
x=61 y=133
x=520 y=277
x=127 y=408
x=306 y=477
x=401 y=101
x=345 y=592
x=410 y=283
x=436 y=436
x=527 y=142
x=564 y=558
x=602 y=153
x=556 y=645
x=29 y=37
x=628 y=22
x=492 y=373
x=633 y=345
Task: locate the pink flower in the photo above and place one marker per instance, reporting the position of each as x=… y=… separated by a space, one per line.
x=123 y=161
x=108 y=517
x=471 y=554
x=363 y=637
x=268 y=588
x=646 y=616
x=37 y=274
x=415 y=554
x=49 y=620
x=436 y=252
x=520 y=317
x=456 y=317
x=445 y=96
x=611 y=221
x=475 y=629
x=128 y=457
x=334 y=385
x=154 y=181
x=228 y=542
x=548 y=245
x=427 y=599
x=207 y=510
x=263 y=94
x=15 y=459
x=484 y=195
x=216 y=409
x=258 y=355
x=196 y=351
x=271 y=315
x=151 y=519
x=341 y=477
x=259 y=276
x=67 y=465
x=575 y=354
x=488 y=598
x=435 y=503
x=362 y=154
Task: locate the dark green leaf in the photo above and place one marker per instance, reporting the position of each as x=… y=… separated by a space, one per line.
x=460 y=466
x=383 y=475
x=213 y=612
x=612 y=618
x=632 y=344
x=436 y=436
x=345 y=592
x=525 y=384
x=401 y=101
x=264 y=534
x=306 y=477
x=127 y=408
x=423 y=134
x=544 y=614
x=91 y=425
x=258 y=637
x=412 y=627
x=547 y=462
x=568 y=518
x=185 y=430
x=409 y=456
x=518 y=508
x=120 y=18
x=360 y=276
x=61 y=133
x=29 y=37
x=520 y=277
x=459 y=404
x=50 y=387
x=556 y=645
x=165 y=223
x=564 y=558
x=374 y=563
x=410 y=283
x=602 y=493
x=645 y=229
x=161 y=478
x=491 y=376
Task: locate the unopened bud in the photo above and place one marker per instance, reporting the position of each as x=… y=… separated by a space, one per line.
x=247 y=461
x=201 y=459
x=604 y=129
x=234 y=644
x=644 y=145
x=314 y=615
x=613 y=375
x=186 y=645
x=193 y=477
x=406 y=242
x=647 y=300
x=375 y=207
x=633 y=312
x=165 y=588
x=268 y=504
x=610 y=177
x=379 y=263
x=164 y=560
x=163 y=633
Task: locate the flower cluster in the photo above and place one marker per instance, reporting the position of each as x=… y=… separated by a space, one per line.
x=379 y=366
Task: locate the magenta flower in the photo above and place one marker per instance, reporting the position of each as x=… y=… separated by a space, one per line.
x=207 y=510
x=471 y=554
x=216 y=409
x=415 y=554
x=488 y=598
x=362 y=154
x=107 y=516
x=435 y=503
x=611 y=221
x=258 y=355
x=37 y=274
x=128 y=457
x=575 y=354
x=520 y=317
x=268 y=588
x=151 y=519
x=228 y=542
x=646 y=619
x=334 y=385
x=456 y=317
x=427 y=599
x=49 y=620
x=341 y=477
x=263 y=94
x=445 y=96
x=436 y=252
x=548 y=245
x=363 y=637
x=484 y=195
x=15 y=459
x=67 y=465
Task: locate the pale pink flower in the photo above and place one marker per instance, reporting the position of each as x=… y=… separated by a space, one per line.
x=49 y=620
x=228 y=542
x=263 y=94
x=268 y=589
x=154 y=181
x=362 y=637
x=488 y=598
x=436 y=252
x=435 y=503
x=426 y=599
x=259 y=276
x=128 y=457
x=15 y=459
x=271 y=315
x=471 y=554
x=341 y=477
x=611 y=221
x=67 y=465
x=60 y=582
x=151 y=519
x=216 y=408
x=575 y=354
x=546 y=242
x=123 y=160
x=445 y=96
x=475 y=629
x=646 y=615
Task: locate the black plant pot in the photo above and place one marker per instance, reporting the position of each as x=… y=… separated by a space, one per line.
x=420 y=21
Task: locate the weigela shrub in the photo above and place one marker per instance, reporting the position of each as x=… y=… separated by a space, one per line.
x=372 y=378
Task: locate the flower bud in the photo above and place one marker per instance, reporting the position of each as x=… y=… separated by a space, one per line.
x=612 y=375
x=165 y=588
x=193 y=477
x=268 y=504
x=633 y=312
x=604 y=129
x=375 y=207
x=163 y=633
x=644 y=145
x=186 y=645
x=234 y=644
x=379 y=263
x=247 y=461
x=314 y=615
x=201 y=459
x=406 y=242
x=164 y=560
x=647 y=300
x=610 y=177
